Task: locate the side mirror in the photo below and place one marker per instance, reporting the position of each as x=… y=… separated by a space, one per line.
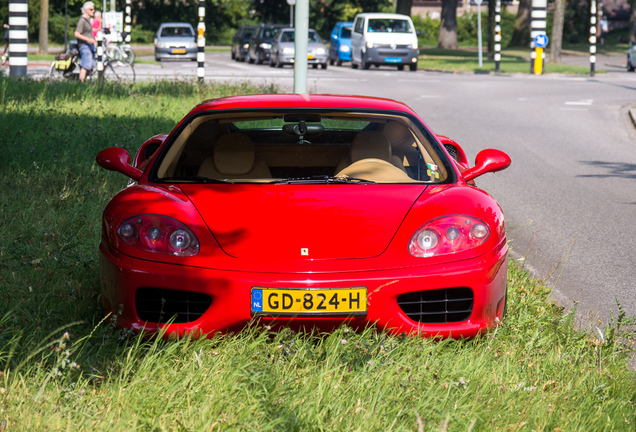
x=489 y=160
x=117 y=159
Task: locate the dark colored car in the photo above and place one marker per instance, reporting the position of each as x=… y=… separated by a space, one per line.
x=340 y=47
x=241 y=42
x=261 y=42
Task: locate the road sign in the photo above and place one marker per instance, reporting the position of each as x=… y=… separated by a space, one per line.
x=541 y=41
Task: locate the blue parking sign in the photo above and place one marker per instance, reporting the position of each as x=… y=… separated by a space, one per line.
x=541 y=41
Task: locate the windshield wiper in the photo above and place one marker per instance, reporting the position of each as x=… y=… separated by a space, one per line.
x=197 y=179
x=324 y=179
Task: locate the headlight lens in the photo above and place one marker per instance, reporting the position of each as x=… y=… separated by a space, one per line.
x=414 y=46
x=266 y=46
x=370 y=45
x=344 y=48
x=246 y=46
x=320 y=51
x=158 y=234
x=288 y=50
x=448 y=235
x=161 y=45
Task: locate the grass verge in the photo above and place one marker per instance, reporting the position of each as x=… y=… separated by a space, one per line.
x=63 y=366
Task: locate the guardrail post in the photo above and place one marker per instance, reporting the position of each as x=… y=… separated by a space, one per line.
x=497 y=35
x=18 y=38
x=592 y=38
x=100 y=54
x=201 y=42
x=127 y=27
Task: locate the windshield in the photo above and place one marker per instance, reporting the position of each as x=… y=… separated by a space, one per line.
x=345 y=33
x=385 y=25
x=288 y=36
x=176 y=32
x=301 y=146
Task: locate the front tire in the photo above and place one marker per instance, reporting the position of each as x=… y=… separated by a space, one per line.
x=363 y=64
x=630 y=67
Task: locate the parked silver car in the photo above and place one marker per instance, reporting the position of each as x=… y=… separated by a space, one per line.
x=282 y=51
x=175 y=41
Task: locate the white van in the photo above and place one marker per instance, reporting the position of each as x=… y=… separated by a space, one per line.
x=383 y=39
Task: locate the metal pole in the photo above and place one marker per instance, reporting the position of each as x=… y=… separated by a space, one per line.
x=201 y=42
x=300 y=46
x=481 y=63
x=497 y=35
x=537 y=27
x=127 y=27
x=66 y=26
x=593 y=38
x=18 y=38
x=100 y=54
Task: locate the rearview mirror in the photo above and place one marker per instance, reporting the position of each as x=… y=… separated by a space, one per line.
x=117 y=159
x=489 y=160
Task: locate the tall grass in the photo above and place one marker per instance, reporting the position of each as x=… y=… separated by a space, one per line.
x=63 y=366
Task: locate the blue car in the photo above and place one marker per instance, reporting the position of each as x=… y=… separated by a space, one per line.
x=340 y=49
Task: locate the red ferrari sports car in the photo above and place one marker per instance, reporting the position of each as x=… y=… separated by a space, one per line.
x=307 y=211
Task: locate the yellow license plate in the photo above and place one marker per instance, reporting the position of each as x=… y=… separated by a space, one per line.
x=178 y=51
x=310 y=57
x=335 y=301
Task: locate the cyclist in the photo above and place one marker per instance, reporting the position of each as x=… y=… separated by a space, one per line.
x=86 y=41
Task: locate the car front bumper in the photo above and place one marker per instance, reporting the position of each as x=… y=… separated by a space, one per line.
x=229 y=292
x=388 y=56
x=289 y=59
x=176 y=53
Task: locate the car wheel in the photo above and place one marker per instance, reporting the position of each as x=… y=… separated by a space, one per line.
x=315 y=66
x=233 y=55
x=354 y=65
x=324 y=65
x=400 y=67
x=630 y=67
x=157 y=59
x=278 y=63
x=271 y=62
x=413 y=67
x=331 y=60
x=363 y=64
x=339 y=62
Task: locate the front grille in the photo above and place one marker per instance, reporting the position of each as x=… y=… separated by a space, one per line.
x=392 y=54
x=438 y=306
x=163 y=305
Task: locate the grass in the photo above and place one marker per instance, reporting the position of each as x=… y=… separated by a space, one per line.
x=64 y=366
x=467 y=60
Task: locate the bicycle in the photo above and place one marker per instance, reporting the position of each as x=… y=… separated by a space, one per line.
x=117 y=49
x=5 y=53
x=68 y=65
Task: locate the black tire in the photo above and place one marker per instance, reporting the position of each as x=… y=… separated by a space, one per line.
x=323 y=65
x=363 y=64
x=315 y=66
x=413 y=67
x=630 y=67
x=331 y=60
x=400 y=67
x=339 y=62
x=354 y=65
x=129 y=55
x=271 y=62
x=233 y=55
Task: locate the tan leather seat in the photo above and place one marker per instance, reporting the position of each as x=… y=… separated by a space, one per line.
x=234 y=157
x=370 y=145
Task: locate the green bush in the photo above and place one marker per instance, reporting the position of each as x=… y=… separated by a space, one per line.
x=429 y=28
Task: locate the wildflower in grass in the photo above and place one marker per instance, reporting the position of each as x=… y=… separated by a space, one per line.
x=343 y=341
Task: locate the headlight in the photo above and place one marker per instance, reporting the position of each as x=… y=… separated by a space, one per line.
x=266 y=46
x=246 y=46
x=370 y=45
x=344 y=48
x=158 y=234
x=161 y=44
x=414 y=46
x=288 y=50
x=447 y=235
x=320 y=51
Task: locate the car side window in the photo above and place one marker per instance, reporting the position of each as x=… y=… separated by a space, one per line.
x=359 y=25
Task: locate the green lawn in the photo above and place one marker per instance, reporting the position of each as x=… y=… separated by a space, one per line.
x=63 y=366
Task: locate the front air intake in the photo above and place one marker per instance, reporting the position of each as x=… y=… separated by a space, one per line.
x=162 y=305
x=438 y=306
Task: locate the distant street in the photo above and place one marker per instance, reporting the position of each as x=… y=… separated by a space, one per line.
x=570 y=195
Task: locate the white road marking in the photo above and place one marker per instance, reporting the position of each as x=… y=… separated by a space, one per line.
x=587 y=102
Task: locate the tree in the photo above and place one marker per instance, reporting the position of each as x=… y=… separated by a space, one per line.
x=404 y=7
x=447 y=37
x=44 y=27
x=521 y=33
x=557 y=31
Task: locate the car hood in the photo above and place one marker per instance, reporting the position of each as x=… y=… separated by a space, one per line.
x=303 y=222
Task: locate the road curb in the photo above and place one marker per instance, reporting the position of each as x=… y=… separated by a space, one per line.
x=632 y=116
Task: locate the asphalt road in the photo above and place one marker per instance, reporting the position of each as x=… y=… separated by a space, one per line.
x=570 y=194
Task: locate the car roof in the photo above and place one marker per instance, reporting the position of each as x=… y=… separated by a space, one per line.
x=275 y=101
x=382 y=15
x=175 y=24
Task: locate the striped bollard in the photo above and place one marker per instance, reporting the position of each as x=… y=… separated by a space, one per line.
x=497 y=35
x=18 y=38
x=100 y=54
x=593 y=38
x=538 y=27
x=127 y=27
x=201 y=42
